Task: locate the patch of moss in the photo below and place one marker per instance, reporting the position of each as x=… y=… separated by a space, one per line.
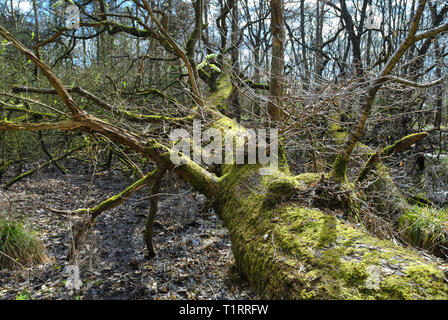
x=224 y=86
x=327 y=235
x=284 y=186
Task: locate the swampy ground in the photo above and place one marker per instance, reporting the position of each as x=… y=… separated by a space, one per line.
x=194 y=258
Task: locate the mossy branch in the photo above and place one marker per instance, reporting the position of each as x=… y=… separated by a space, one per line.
x=21 y=108
x=153 y=206
x=107 y=204
x=107 y=106
x=256 y=85
x=394 y=148
x=403 y=143
x=60 y=125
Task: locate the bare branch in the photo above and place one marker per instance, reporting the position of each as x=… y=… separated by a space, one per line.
x=416 y=84
x=62 y=92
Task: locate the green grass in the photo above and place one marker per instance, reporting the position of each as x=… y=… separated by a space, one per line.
x=19 y=246
x=425 y=227
x=23 y=296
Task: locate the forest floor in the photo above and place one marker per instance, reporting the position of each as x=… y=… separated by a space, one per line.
x=194 y=258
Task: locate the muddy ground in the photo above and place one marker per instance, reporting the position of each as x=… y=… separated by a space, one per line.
x=194 y=258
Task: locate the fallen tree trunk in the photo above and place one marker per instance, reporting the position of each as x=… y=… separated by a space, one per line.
x=289 y=250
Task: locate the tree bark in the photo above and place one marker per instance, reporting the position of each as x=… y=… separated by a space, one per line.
x=277 y=61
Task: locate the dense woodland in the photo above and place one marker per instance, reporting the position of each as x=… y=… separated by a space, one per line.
x=357 y=206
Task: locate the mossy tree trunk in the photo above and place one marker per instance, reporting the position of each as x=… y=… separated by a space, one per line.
x=288 y=248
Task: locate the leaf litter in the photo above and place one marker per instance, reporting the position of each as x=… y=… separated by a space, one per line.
x=194 y=258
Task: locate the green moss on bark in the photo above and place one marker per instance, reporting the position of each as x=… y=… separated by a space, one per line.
x=293 y=252
x=223 y=88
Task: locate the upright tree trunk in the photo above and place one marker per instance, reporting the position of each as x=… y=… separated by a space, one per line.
x=319 y=38
x=13 y=14
x=36 y=36
x=277 y=61
x=438 y=89
x=235 y=59
x=306 y=78
x=355 y=38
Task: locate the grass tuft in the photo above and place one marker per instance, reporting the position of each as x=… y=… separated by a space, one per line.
x=19 y=247
x=426 y=227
